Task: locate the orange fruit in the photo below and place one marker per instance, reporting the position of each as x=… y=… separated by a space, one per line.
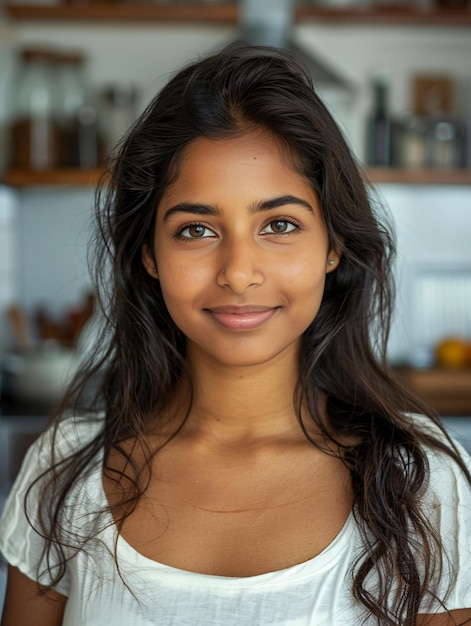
x=453 y=352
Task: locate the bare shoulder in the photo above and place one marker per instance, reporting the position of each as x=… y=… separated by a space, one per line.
x=458 y=617
x=25 y=606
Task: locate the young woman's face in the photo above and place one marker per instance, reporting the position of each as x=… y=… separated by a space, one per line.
x=241 y=250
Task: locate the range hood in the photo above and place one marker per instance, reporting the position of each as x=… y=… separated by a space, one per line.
x=270 y=23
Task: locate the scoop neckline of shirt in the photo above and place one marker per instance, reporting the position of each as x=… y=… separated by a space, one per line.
x=304 y=569
x=316 y=564
x=293 y=573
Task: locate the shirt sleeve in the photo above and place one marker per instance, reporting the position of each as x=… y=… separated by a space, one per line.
x=20 y=542
x=448 y=508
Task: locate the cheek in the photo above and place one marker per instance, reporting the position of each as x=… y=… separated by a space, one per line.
x=181 y=283
x=306 y=275
x=307 y=293
x=175 y=302
x=178 y=276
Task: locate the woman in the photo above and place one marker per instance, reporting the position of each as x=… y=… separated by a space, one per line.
x=255 y=461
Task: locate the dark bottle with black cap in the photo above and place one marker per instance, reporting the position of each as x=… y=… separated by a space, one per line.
x=379 y=125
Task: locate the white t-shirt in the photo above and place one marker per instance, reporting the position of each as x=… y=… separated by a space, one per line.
x=316 y=592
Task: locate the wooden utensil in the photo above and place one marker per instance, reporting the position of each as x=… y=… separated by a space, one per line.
x=20 y=327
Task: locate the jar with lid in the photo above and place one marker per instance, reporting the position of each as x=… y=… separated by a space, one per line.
x=77 y=119
x=118 y=104
x=33 y=129
x=412 y=141
x=445 y=142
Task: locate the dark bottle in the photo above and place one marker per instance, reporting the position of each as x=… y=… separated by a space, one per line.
x=379 y=126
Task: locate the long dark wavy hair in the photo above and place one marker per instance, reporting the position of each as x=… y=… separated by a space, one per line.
x=140 y=358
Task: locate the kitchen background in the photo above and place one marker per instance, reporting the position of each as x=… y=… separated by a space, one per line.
x=128 y=52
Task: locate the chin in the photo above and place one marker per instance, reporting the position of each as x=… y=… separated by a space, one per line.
x=248 y=357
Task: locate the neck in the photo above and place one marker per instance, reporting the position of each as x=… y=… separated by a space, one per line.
x=253 y=403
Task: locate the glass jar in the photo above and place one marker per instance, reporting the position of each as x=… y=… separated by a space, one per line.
x=412 y=141
x=117 y=114
x=445 y=142
x=34 y=132
x=77 y=119
x=71 y=86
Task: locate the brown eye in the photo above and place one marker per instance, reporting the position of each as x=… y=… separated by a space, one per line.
x=280 y=226
x=196 y=230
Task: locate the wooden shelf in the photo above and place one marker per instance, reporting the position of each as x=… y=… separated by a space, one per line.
x=227 y=13
x=424 y=176
x=385 y=16
x=70 y=177
x=374 y=176
x=122 y=12
x=448 y=391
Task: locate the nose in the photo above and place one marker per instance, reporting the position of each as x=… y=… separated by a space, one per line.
x=240 y=266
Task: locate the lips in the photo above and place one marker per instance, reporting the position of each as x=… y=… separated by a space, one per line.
x=245 y=317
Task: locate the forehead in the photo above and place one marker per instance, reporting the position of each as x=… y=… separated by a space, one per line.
x=258 y=138
x=244 y=162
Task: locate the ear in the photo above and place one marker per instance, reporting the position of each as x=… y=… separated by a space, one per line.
x=333 y=259
x=149 y=262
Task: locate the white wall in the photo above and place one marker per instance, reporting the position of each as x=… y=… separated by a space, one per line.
x=433 y=267
x=54 y=228
x=9 y=257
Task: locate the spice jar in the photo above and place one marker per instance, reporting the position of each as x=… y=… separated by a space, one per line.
x=77 y=119
x=71 y=85
x=412 y=141
x=445 y=142
x=33 y=130
x=117 y=113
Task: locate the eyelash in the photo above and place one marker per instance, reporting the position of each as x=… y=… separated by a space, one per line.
x=289 y=220
x=179 y=234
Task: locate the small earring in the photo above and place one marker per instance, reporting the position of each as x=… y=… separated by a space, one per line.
x=154 y=269
x=331 y=261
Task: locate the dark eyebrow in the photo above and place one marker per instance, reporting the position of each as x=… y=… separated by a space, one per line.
x=265 y=205
x=275 y=203
x=188 y=207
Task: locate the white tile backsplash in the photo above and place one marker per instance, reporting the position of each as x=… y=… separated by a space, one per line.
x=54 y=233
x=7 y=246
x=433 y=230
x=7 y=289
x=441 y=305
x=9 y=258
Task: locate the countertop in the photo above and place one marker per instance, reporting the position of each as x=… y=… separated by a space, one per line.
x=447 y=390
